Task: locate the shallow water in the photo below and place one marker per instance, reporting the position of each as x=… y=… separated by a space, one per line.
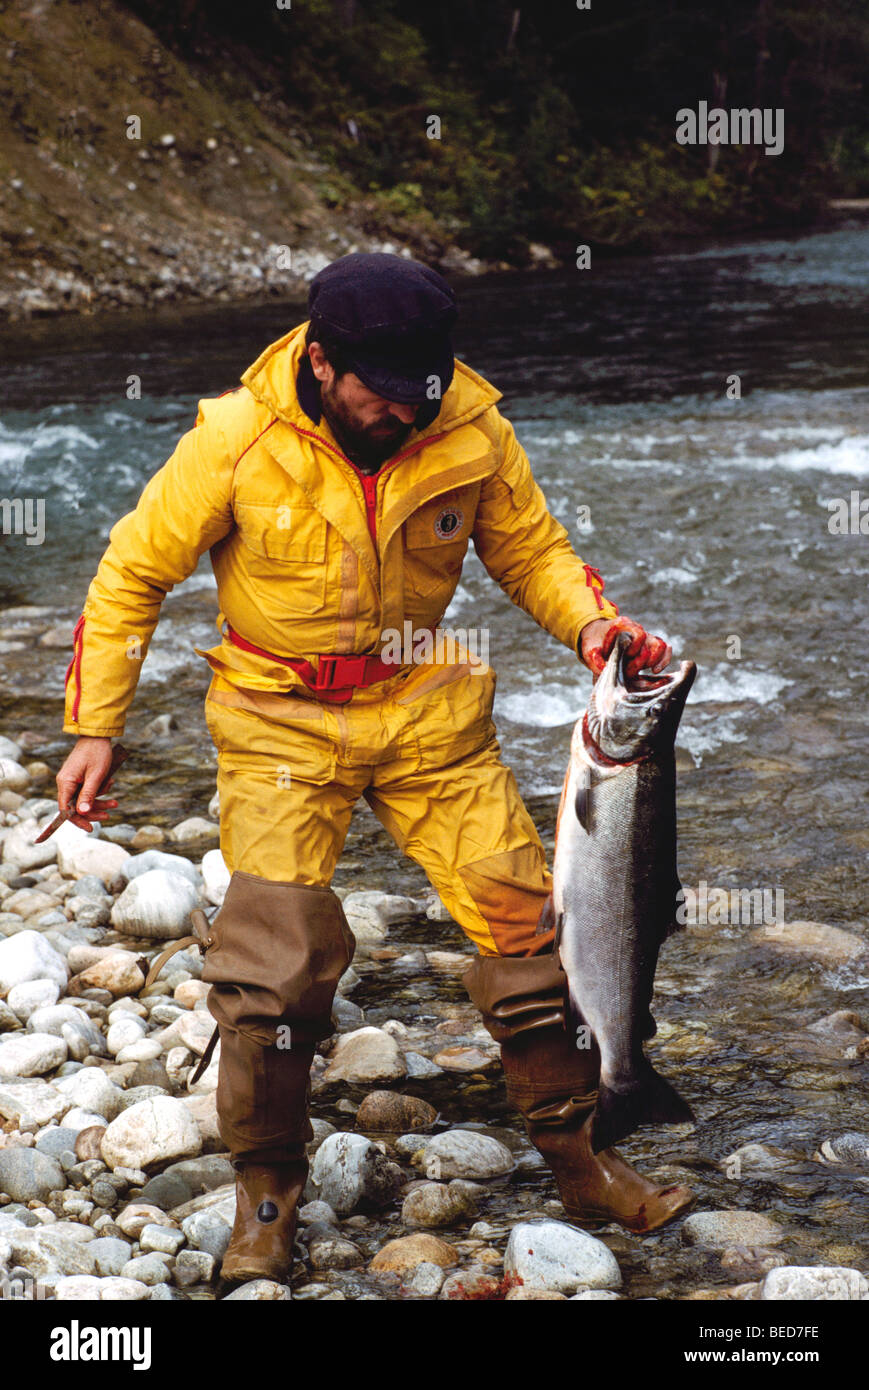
x=709 y=519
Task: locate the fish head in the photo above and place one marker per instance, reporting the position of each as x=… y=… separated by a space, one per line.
x=630 y=719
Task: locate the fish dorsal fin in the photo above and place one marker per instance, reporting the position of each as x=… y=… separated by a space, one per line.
x=583 y=799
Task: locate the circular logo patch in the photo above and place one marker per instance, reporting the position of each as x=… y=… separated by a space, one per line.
x=448 y=523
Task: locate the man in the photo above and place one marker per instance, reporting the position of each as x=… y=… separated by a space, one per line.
x=337 y=491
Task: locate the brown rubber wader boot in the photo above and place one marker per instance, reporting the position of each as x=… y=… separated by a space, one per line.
x=276 y=952
x=553 y=1083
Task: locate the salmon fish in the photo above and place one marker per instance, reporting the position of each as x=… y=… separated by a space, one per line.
x=615 y=885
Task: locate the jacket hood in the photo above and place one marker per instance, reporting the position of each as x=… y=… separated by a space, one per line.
x=272 y=380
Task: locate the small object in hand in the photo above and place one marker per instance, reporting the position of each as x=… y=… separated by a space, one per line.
x=119 y=755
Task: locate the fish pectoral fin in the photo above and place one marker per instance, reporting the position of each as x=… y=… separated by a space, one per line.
x=559 y=928
x=582 y=803
x=546 y=920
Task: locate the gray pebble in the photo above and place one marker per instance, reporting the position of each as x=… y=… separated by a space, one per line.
x=260 y=1290
x=418 y=1065
x=317 y=1230
x=55 y=1140
x=335 y=1253
x=88 y=886
x=204 y=1173
x=150 y=1269
x=317 y=1211
x=104 y=1194
x=118 y=834
x=91 y=915
x=160 y=1239
x=110 y=1254
x=346 y=1015
x=166 y=1190
x=206 y=1230
x=20 y=1213
x=194 y=1267
x=137 y=1093
x=28 y=1175
x=427 y=1279
x=409 y=1144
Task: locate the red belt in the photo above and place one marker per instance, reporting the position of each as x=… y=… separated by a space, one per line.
x=335 y=678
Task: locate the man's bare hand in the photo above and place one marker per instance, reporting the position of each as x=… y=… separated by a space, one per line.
x=80 y=779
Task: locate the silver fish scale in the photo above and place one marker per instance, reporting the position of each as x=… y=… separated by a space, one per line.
x=614 y=893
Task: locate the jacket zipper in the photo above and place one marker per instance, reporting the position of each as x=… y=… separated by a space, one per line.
x=369 y=481
x=369 y=487
x=75 y=665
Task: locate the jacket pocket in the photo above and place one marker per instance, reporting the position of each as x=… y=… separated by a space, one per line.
x=435 y=544
x=281 y=736
x=285 y=546
x=449 y=711
x=283 y=533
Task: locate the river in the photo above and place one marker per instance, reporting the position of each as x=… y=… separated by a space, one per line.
x=706 y=502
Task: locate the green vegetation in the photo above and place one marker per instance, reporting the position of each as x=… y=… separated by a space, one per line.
x=557 y=123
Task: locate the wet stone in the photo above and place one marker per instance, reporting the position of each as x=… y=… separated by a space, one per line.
x=408 y=1144
x=406 y=1252
x=472 y=1282
x=817 y=1282
x=750 y=1159
x=849 y=1150
x=348 y=1171
x=333 y=1252
x=747 y=1263
x=440 y=1204
x=317 y=1212
x=260 y=1291
x=552 y=1255
x=419 y=1066
x=716 y=1230
x=462 y=1154
x=391 y=1112
x=427 y=1279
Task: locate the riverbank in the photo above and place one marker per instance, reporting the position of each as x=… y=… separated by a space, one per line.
x=709 y=520
x=135 y=174
x=114 y=1183
x=129 y=178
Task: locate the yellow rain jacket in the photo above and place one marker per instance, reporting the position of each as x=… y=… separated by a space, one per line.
x=314 y=559
x=310 y=556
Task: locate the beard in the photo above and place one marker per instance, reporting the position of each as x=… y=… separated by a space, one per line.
x=369 y=447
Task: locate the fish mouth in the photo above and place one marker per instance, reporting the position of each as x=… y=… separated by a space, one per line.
x=629 y=716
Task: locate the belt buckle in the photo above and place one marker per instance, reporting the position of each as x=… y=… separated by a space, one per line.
x=325 y=673
x=339 y=671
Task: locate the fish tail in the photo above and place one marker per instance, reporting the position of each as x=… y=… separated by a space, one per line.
x=651 y=1101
